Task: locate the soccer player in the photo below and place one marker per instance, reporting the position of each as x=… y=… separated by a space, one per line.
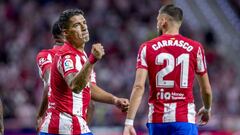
x=1 y=119
x=71 y=79
x=170 y=62
x=44 y=61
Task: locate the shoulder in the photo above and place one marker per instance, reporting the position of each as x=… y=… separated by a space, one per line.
x=43 y=56
x=148 y=44
x=44 y=52
x=192 y=42
x=65 y=51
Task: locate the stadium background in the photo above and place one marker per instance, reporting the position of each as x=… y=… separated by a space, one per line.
x=121 y=26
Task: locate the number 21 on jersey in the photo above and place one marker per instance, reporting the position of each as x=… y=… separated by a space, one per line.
x=172 y=62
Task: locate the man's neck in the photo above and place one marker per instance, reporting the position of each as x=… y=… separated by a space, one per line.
x=79 y=47
x=171 y=32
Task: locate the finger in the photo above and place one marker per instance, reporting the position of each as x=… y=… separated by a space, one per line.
x=124 y=103
x=202 y=123
x=200 y=113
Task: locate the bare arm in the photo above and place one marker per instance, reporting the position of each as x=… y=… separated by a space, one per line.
x=1 y=119
x=100 y=95
x=90 y=112
x=205 y=88
x=44 y=102
x=137 y=93
x=77 y=81
x=206 y=91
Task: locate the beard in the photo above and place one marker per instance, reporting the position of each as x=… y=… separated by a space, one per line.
x=86 y=38
x=160 y=32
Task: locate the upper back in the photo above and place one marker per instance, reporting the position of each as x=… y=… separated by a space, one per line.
x=172 y=61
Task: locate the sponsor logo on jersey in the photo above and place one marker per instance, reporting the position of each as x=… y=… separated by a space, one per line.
x=162 y=95
x=68 y=64
x=43 y=61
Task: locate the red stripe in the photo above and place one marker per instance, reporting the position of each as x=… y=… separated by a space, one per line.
x=54 y=122
x=76 y=125
x=181 y=112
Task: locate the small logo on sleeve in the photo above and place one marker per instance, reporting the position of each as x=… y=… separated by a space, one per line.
x=68 y=64
x=43 y=61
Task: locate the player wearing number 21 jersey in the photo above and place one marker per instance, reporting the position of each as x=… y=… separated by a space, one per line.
x=171 y=62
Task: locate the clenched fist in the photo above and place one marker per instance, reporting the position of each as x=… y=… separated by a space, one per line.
x=97 y=51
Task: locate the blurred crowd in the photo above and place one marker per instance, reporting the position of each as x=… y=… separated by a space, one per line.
x=121 y=26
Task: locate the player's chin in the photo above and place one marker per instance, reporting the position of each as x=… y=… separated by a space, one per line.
x=86 y=38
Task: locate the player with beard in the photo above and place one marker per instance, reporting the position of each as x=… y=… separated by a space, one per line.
x=44 y=60
x=170 y=61
x=71 y=78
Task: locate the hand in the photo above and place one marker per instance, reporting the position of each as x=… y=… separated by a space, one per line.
x=38 y=124
x=129 y=130
x=204 y=116
x=1 y=131
x=122 y=103
x=97 y=51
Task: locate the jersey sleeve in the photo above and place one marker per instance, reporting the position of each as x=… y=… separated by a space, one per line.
x=201 y=66
x=44 y=61
x=141 y=58
x=68 y=63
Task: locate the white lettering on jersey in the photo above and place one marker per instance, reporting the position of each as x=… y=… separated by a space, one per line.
x=170 y=95
x=164 y=43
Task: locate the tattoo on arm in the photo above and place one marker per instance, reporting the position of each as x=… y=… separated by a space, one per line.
x=77 y=81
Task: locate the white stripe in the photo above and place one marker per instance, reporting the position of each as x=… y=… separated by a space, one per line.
x=205 y=62
x=65 y=124
x=78 y=63
x=143 y=57
x=83 y=126
x=77 y=103
x=150 y=113
x=169 y=112
x=59 y=66
x=93 y=77
x=191 y=113
x=200 y=63
x=84 y=58
x=49 y=57
x=45 y=125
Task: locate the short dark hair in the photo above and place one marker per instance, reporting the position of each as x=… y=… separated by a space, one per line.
x=66 y=15
x=56 y=30
x=175 y=12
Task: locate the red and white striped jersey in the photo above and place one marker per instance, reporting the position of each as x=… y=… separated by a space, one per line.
x=171 y=62
x=44 y=61
x=68 y=114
